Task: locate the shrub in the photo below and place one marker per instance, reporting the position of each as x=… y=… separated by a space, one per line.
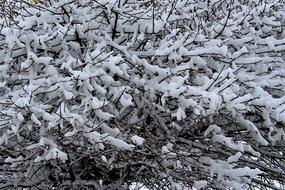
x=169 y=94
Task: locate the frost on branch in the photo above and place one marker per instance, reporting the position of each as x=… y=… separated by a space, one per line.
x=168 y=94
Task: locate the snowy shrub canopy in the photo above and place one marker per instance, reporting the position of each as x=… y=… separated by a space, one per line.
x=170 y=94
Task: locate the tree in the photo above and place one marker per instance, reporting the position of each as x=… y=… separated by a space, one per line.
x=170 y=94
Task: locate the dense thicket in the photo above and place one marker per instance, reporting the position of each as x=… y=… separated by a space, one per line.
x=168 y=94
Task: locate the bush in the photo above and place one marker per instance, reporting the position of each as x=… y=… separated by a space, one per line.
x=168 y=94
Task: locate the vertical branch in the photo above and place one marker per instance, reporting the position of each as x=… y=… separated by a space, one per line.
x=116 y=22
x=153 y=16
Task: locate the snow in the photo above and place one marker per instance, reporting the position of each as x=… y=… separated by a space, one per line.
x=212 y=129
x=55 y=153
x=126 y=100
x=200 y=184
x=234 y=158
x=71 y=133
x=14 y=161
x=137 y=140
x=103 y=115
